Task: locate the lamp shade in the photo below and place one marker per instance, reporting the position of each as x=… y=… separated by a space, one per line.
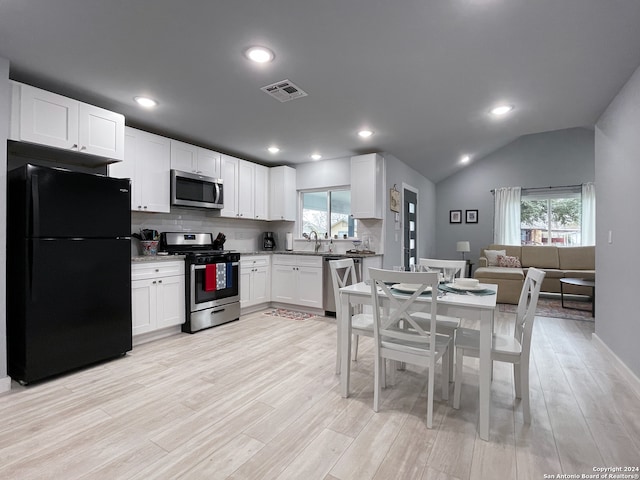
x=463 y=247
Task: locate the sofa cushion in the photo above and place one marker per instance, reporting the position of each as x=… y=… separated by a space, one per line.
x=499 y=272
x=540 y=256
x=512 y=250
x=508 y=261
x=586 y=274
x=492 y=256
x=551 y=273
x=577 y=258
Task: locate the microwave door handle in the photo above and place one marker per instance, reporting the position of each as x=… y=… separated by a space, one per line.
x=217 y=187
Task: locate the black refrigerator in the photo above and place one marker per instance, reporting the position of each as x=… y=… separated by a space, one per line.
x=68 y=270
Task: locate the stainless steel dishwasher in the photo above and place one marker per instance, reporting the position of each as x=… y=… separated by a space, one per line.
x=329 y=300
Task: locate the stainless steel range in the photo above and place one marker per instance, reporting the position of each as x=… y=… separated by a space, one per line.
x=212 y=278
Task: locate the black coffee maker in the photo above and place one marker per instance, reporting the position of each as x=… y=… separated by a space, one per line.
x=268 y=242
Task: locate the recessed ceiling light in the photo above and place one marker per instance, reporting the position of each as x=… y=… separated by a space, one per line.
x=365 y=133
x=259 y=54
x=316 y=156
x=145 y=101
x=273 y=149
x=501 y=110
x=465 y=159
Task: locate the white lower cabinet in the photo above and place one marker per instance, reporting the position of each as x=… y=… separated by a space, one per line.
x=157 y=295
x=297 y=279
x=255 y=272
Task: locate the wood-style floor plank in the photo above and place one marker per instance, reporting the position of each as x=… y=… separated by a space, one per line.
x=259 y=399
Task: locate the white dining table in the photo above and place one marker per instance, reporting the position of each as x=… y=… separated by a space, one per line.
x=467 y=306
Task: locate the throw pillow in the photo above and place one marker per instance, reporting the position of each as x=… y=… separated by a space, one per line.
x=492 y=257
x=510 y=262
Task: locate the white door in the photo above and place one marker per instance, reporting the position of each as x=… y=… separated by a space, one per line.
x=143 y=306
x=171 y=298
x=152 y=176
x=261 y=200
x=283 y=287
x=101 y=132
x=246 y=183
x=229 y=171
x=261 y=285
x=245 y=287
x=208 y=163
x=48 y=118
x=310 y=287
x=184 y=157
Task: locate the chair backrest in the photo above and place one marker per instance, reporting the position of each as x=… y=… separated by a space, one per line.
x=398 y=306
x=343 y=273
x=440 y=265
x=526 y=312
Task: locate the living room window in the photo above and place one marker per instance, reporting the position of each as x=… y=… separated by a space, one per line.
x=551 y=216
x=327 y=211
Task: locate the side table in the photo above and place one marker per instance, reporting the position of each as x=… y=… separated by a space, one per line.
x=579 y=282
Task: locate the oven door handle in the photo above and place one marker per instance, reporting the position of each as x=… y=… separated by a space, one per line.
x=202 y=267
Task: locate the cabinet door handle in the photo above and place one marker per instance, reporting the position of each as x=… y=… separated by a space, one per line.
x=75 y=145
x=83 y=148
x=154 y=282
x=159 y=281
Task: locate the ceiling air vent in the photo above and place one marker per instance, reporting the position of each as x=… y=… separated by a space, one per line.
x=284 y=91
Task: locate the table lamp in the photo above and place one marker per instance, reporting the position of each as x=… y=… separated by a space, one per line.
x=463 y=247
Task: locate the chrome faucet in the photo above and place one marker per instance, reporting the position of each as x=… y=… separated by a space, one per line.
x=317 y=245
x=317 y=241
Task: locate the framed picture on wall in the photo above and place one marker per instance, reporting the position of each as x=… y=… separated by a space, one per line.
x=471 y=216
x=455 y=216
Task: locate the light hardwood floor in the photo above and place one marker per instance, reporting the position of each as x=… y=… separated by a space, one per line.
x=259 y=399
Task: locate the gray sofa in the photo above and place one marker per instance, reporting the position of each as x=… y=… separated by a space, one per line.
x=557 y=262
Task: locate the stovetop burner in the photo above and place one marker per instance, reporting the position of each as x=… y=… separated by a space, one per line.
x=198 y=247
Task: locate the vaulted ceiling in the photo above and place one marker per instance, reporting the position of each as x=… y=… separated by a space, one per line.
x=422 y=75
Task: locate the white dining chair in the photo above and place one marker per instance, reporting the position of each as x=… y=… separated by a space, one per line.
x=419 y=344
x=444 y=324
x=511 y=349
x=343 y=273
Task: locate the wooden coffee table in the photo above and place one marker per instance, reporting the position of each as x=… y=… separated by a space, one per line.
x=579 y=282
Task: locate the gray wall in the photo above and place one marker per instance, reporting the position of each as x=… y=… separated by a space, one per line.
x=617 y=161
x=561 y=157
x=398 y=173
x=5 y=90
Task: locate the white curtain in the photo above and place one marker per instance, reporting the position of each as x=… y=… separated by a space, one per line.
x=588 y=214
x=506 y=223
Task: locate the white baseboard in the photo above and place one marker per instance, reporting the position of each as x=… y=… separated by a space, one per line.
x=632 y=380
x=5 y=384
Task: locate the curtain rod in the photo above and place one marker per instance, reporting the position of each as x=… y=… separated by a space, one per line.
x=493 y=190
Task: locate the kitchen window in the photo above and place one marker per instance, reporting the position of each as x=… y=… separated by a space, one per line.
x=551 y=216
x=327 y=211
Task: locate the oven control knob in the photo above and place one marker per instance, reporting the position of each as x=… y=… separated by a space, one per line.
x=200 y=260
x=209 y=260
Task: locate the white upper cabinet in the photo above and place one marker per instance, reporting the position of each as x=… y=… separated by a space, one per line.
x=245 y=189
x=282 y=193
x=50 y=119
x=246 y=193
x=147 y=163
x=229 y=174
x=261 y=193
x=193 y=159
x=367 y=186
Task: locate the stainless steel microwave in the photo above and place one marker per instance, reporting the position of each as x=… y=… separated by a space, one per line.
x=194 y=190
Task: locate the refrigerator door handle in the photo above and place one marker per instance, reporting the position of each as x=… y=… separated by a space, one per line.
x=31 y=270
x=35 y=205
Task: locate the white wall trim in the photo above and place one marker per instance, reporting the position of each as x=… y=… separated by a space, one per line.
x=632 y=380
x=5 y=384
